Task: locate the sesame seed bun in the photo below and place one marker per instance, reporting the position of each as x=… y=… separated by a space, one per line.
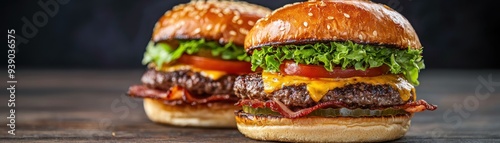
x=221 y=21
x=360 y=21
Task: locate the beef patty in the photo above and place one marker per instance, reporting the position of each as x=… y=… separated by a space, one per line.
x=193 y=82
x=360 y=95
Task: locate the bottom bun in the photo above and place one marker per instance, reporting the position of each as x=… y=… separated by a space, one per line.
x=319 y=129
x=203 y=115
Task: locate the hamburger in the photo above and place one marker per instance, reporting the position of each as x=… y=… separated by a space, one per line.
x=332 y=71
x=194 y=56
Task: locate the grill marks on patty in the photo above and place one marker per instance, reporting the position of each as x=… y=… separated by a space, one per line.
x=193 y=82
x=358 y=95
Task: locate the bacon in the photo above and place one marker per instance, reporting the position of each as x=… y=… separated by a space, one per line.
x=418 y=106
x=277 y=106
x=176 y=94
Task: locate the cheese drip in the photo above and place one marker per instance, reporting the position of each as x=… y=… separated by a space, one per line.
x=318 y=87
x=212 y=74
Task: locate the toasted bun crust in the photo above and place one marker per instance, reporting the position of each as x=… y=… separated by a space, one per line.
x=360 y=21
x=215 y=115
x=317 y=129
x=222 y=21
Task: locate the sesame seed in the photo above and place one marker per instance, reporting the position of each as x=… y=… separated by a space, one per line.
x=251 y=23
x=310 y=14
x=209 y=27
x=223 y=27
x=177 y=7
x=330 y=17
x=321 y=3
x=168 y=13
x=232 y=32
x=203 y=12
x=282 y=28
x=360 y=37
x=347 y=15
x=374 y=33
x=174 y=16
x=197 y=30
x=178 y=25
x=328 y=27
x=217 y=10
x=212 y=11
x=236 y=13
x=305 y=24
x=216 y=27
x=167 y=22
x=199 y=7
x=243 y=31
x=235 y=18
x=220 y=14
x=197 y=17
x=188 y=8
x=226 y=11
x=240 y=22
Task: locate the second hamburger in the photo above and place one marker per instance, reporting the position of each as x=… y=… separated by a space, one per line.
x=333 y=71
x=196 y=52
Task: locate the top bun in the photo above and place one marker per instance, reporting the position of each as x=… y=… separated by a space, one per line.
x=222 y=21
x=360 y=21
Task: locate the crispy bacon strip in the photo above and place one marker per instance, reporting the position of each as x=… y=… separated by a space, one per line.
x=277 y=106
x=417 y=106
x=175 y=93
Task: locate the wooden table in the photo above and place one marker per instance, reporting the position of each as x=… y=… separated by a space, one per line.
x=90 y=105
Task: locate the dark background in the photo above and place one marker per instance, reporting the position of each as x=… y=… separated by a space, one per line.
x=112 y=34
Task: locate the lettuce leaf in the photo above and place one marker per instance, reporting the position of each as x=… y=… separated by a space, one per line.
x=344 y=54
x=160 y=53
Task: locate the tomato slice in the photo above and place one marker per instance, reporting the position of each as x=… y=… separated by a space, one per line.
x=231 y=67
x=315 y=71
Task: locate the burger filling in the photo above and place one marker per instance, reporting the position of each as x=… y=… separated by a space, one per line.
x=331 y=112
x=165 y=52
x=344 y=55
x=297 y=96
x=284 y=111
x=281 y=110
x=332 y=79
x=195 y=72
x=193 y=82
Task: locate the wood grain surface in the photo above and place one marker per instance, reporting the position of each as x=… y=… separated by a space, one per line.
x=90 y=106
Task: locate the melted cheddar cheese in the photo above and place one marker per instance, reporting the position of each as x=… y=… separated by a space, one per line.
x=318 y=87
x=212 y=74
